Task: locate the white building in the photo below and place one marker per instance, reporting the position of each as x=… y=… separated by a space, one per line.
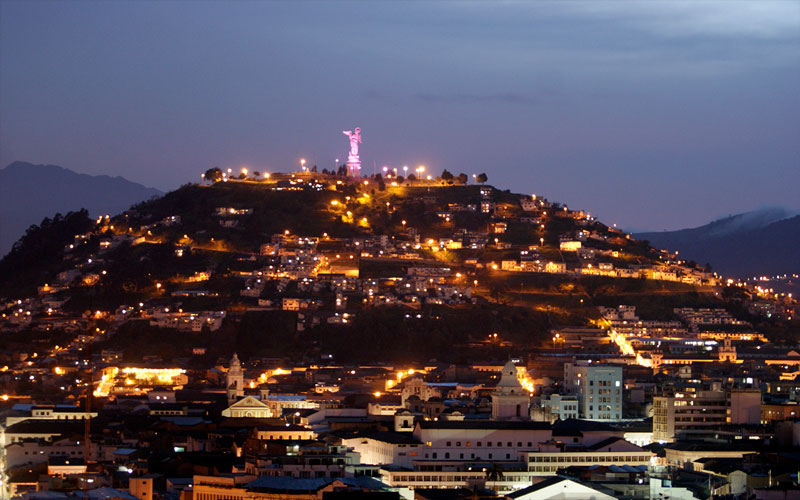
x=510 y=400
x=562 y=407
x=385 y=448
x=599 y=389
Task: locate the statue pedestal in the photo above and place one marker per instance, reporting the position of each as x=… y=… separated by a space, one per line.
x=354 y=166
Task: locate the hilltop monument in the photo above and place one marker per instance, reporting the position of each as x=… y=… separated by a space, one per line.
x=353 y=160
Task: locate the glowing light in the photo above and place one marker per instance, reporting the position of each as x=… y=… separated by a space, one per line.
x=525 y=379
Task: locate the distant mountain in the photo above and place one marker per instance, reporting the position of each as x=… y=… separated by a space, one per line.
x=29 y=193
x=760 y=242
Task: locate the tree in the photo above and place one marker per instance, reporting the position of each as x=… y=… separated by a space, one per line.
x=412 y=177
x=462 y=178
x=213 y=175
x=482 y=178
x=447 y=176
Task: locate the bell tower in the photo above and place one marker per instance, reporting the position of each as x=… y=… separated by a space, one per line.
x=727 y=352
x=510 y=400
x=234 y=380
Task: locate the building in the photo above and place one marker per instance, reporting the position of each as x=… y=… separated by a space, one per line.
x=385 y=448
x=562 y=407
x=235 y=380
x=510 y=400
x=247 y=407
x=686 y=415
x=598 y=387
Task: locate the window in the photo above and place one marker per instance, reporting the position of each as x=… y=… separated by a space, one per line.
x=479 y=443
x=458 y=443
x=449 y=443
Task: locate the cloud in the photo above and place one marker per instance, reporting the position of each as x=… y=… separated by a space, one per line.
x=758 y=19
x=501 y=98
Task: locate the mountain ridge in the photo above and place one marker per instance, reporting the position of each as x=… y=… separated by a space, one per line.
x=30 y=192
x=755 y=243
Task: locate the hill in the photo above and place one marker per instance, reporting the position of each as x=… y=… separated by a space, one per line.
x=303 y=264
x=29 y=193
x=762 y=242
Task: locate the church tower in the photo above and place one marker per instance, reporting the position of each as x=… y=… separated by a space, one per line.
x=234 y=380
x=727 y=352
x=510 y=400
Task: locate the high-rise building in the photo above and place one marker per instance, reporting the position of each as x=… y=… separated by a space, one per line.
x=598 y=387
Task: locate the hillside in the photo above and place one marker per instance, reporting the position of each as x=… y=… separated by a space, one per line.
x=756 y=243
x=29 y=193
x=363 y=271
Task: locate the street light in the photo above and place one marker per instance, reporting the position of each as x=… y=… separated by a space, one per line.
x=303 y=164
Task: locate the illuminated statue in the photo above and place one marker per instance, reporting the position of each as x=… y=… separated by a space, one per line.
x=355 y=140
x=353 y=161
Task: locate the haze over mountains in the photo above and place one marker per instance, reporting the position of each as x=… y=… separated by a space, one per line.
x=761 y=242
x=29 y=193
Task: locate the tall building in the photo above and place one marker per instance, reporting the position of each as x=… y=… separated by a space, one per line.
x=510 y=400
x=598 y=387
x=234 y=380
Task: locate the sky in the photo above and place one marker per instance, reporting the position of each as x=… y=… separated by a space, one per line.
x=651 y=115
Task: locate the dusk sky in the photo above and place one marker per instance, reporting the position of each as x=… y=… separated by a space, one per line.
x=649 y=115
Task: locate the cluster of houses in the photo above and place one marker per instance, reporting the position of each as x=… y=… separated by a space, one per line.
x=697 y=405
x=603 y=428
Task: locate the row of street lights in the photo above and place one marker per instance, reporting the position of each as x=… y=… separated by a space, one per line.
x=419 y=170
